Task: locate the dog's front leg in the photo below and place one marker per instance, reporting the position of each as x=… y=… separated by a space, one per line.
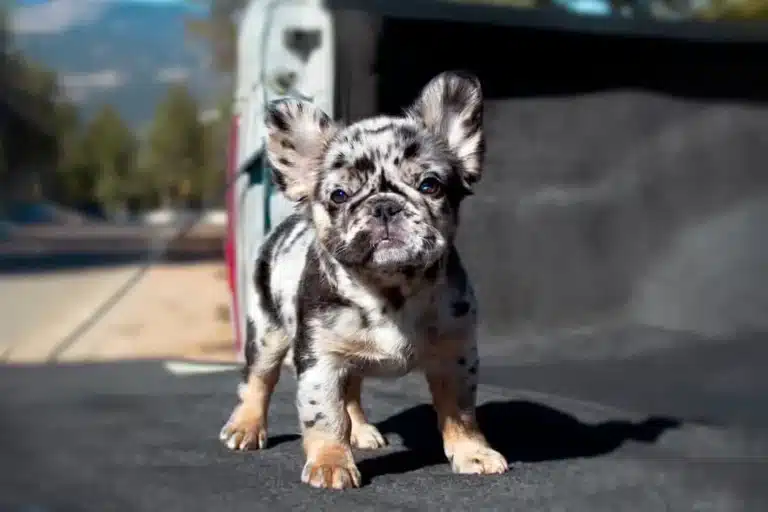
x=453 y=384
x=325 y=428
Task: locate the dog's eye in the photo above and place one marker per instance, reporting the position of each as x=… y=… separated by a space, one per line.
x=338 y=196
x=429 y=186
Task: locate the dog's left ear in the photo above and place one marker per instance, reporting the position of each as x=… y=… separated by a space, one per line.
x=451 y=107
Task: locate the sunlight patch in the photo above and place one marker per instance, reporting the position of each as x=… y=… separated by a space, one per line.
x=192 y=368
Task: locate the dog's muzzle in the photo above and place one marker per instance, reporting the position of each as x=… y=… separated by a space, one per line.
x=386 y=213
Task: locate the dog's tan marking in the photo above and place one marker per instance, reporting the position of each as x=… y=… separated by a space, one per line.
x=330 y=463
x=322 y=221
x=464 y=443
x=347 y=349
x=362 y=434
x=247 y=426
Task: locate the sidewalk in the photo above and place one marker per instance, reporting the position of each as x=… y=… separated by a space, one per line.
x=174 y=311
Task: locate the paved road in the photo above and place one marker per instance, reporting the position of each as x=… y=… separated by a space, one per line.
x=39 y=310
x=42 y=248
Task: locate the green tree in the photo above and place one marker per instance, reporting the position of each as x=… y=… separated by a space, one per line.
x=76 y=174
x=219 y=31
x=40 y=130
x=176 y=149
x=30 y=127
x=213 y=179
x=105 y=159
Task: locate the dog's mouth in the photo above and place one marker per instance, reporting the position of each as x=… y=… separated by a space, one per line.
x=392 y=248
x=381 y=247
x=386 y=240
x=387 y=243
x=386 y=237
x=386 y=248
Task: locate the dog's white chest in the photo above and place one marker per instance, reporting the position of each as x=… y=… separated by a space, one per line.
x=396 y=344
x=386 y=345
x=382 y=338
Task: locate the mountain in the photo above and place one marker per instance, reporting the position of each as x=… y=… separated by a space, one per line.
x=121 y=52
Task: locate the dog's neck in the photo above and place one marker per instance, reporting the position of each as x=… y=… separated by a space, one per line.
x=393 y=287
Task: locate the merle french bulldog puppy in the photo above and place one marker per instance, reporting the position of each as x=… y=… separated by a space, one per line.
x=364 y=279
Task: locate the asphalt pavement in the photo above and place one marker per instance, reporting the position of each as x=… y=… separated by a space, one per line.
x=134 y=436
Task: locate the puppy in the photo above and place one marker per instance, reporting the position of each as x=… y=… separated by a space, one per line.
x=364 y=279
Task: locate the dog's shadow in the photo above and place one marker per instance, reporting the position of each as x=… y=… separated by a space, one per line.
x=522 y=431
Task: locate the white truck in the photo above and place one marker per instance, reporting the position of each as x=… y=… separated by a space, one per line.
x=285 y=47
x=354 y=57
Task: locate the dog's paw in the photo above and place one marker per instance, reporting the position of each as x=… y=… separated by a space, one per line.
x=244 y=431
x=472 y=458
x=366 y=437
x=331 y=476
x=331 y=467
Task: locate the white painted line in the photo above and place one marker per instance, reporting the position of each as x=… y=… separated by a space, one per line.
x=192 y=368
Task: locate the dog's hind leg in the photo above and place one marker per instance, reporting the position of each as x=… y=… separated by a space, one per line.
x=362 y=435
x=266 y=346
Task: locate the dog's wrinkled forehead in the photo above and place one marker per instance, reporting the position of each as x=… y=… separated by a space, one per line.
x=384 y=148
x=440 y=132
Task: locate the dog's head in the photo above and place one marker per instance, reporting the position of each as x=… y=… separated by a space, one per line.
x=383 y=193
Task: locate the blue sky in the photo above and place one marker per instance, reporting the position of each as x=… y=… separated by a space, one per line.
x=158 y=2
x=52 y=16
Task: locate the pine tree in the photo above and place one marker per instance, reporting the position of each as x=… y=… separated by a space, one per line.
x=176 y=149
x=28 y=98
x=109 y=149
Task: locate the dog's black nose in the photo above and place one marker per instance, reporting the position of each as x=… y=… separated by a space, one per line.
x=385 y=210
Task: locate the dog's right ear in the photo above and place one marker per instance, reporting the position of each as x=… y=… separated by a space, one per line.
x=451 y=106
x=298 y=134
